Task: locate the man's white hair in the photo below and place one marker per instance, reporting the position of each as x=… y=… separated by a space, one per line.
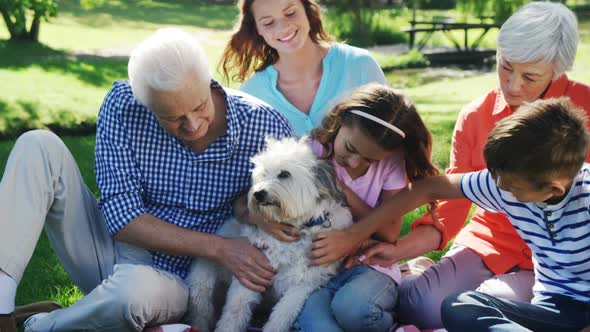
x=540 y=32
x=164 y=61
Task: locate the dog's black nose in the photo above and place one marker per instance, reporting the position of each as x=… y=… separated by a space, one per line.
x=260 y=195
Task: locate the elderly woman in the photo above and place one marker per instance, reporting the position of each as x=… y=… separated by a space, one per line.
x=536 y=45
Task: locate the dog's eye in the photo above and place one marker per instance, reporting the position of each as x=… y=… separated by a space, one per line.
x=284 y=175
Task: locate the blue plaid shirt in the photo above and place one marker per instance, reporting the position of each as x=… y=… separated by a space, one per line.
x=142 y=169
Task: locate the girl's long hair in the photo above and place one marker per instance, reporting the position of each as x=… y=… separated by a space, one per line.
x=248 y=52
x=394 y=107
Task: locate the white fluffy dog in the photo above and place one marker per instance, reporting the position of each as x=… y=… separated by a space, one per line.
x=292 y=186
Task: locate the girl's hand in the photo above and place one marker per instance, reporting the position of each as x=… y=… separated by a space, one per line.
x=379 y=253
x=354 y=259
x=332 y=246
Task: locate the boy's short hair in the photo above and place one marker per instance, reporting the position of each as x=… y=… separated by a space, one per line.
x=542 y=140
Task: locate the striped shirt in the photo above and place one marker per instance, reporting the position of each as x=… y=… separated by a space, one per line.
x=141 y=169
x=558 y=235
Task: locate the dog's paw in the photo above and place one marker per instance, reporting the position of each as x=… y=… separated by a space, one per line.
x=260 y=244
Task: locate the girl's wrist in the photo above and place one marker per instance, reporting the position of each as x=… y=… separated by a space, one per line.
x=356 y=235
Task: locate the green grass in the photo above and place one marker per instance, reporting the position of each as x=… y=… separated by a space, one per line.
x=388 y=25
x=56 y=91
x=42 y=86
x=412 y=59
x=121 y=22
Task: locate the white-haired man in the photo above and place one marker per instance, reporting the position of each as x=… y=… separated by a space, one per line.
x=536 y=45
x=172 y=152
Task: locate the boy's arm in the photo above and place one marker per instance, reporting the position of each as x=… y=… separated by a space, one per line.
x=451 y=214
x=328 y=248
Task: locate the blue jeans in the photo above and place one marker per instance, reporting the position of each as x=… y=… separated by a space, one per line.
x=474 y=311
x=357 y=299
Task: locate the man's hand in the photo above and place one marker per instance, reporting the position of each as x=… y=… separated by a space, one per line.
x=246 y=263
x=281 y=232
x=331 y=246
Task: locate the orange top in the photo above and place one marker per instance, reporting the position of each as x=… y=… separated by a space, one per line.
x=490 y=235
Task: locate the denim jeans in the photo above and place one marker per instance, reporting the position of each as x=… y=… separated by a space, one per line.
x=357 y=299
x=474 y=311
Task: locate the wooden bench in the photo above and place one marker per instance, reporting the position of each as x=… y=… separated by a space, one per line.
x=430 y=27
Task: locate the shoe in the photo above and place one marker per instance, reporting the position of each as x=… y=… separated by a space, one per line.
x=21 y=313
x=416 y=266
x=7 y=323
x=32 y=319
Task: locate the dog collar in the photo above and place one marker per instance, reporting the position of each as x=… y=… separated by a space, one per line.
x=323 y=220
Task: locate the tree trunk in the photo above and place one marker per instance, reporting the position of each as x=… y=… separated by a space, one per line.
x=16 y=24
x=357 y=13
x=10 y=25
x=34 y=31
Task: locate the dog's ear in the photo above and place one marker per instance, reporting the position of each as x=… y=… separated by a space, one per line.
x=325 y=179
x=268 y=141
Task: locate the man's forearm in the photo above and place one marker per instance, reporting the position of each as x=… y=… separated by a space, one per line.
x=154 y=234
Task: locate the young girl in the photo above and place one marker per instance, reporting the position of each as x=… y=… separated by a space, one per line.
x=377 y=143
x=291 y=63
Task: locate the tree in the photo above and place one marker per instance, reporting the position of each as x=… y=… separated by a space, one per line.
x=498 y=10
x=361 y=15
x=18 y=13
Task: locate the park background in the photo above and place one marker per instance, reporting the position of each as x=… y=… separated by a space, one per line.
x=57 y=78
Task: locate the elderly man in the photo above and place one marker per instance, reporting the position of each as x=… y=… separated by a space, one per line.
x=172 y=153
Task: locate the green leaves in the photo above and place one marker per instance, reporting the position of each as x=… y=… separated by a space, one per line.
x=23 y=17
x=498 y=10
x=89 y=4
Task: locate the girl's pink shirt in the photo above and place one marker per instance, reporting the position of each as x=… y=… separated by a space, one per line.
x=386 y=174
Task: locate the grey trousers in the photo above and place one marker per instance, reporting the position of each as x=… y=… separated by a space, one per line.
x=461 y=269
x=42 y=188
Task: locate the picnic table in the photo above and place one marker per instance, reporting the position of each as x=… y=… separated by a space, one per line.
x=428 y=28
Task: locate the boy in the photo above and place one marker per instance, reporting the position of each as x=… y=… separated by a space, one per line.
x=537 y=176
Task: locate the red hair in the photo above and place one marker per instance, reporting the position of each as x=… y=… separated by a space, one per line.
x=248 y=52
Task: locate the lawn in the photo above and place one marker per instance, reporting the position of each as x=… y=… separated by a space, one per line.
x=44 y=85
x=41 y=83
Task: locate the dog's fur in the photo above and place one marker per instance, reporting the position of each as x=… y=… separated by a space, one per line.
x=292 y=186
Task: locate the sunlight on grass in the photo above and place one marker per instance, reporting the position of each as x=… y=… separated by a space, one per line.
x=65 y=91
x=121 y=23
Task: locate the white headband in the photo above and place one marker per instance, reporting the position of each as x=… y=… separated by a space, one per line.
x=379 y=121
